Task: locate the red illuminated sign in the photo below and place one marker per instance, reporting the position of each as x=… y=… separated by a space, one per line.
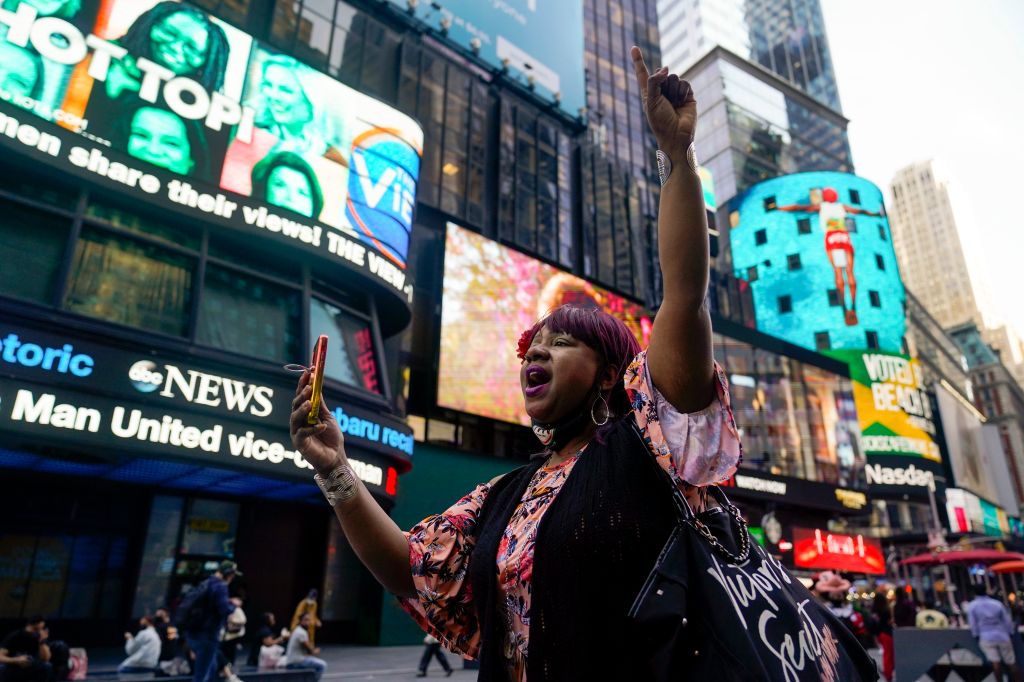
x=820 y=549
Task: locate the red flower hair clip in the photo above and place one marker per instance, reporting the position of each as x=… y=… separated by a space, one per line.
x=525 y=341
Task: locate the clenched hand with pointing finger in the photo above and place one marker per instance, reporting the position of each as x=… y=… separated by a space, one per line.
x=670 y=107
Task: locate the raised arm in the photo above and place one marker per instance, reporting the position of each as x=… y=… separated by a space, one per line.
x=796 y=208
x=679 y=357
x=378 y=542
x=861 y=211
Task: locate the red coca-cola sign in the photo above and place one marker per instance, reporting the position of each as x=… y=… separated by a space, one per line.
x=816 y=548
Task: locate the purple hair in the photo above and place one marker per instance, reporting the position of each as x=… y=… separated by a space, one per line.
x=605 y=334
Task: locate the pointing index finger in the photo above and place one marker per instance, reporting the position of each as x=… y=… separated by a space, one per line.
x=640 y=67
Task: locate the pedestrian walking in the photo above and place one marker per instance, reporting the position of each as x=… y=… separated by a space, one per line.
x=992 y=627
x=834 y=589
x=143 y=649
x=234 y=631
x=301 y=654
x=25 y=653
x=308 y=605
x=432 y=649
x=613 y=555
x=202 y=615
x=881 y=625
x=904 y=611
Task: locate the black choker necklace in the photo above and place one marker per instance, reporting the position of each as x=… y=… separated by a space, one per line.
x=557 y=435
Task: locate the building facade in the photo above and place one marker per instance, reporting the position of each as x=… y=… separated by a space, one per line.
x=146 y=321
x=763 y=78
x=928 y=245
x=997 y=394
x=786 y=38
x=165 y=255
x=935 y=264
x=975 y=459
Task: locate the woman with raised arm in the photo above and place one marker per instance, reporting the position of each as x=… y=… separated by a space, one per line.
x=535 y=573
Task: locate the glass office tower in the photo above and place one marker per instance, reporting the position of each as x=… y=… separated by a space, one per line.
x=764 y=81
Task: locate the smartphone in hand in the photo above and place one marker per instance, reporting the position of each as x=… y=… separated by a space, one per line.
x=317 y=367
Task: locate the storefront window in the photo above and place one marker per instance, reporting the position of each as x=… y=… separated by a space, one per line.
x=65 y=576
x=351 y=353
x=85 y=576
x=247 y=315
x=141 y=224
x=49 y=574
x=158 y=553
x=39 y=187
x=120 y=280
x=35 y=241
x=210 y=528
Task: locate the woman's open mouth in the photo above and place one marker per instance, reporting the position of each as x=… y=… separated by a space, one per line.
x=537 y=380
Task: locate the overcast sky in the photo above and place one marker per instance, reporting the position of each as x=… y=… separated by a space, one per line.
x=942 y=79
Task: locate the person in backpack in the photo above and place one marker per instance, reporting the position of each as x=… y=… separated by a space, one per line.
x=202 y=616
x=536 y=573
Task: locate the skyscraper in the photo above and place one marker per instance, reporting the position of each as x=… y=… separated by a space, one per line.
x=618 y=173
x=931 y=258
x=762 y=74
x=787 y=37
x=933 y=261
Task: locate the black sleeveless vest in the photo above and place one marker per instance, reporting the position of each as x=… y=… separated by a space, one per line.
x=595 y=547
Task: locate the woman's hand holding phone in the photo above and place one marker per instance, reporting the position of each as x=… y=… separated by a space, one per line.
x=321 y=444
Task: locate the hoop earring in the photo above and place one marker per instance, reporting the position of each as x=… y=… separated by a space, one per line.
x=607 y=411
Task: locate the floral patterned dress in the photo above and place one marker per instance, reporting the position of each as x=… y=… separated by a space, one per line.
x=440 y=546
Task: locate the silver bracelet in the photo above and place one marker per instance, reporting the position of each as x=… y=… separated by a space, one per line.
x=691 y=157
x=664 y=167
x=339 y=485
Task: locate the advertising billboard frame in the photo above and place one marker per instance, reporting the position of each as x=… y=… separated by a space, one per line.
x=804 y=242
x=49 y=132
x=558 y=286
x=816 y=548
x=458 y=25
x=78 y=390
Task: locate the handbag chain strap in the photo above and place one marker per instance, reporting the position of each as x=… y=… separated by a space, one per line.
x=687 y=516
x=741 y=526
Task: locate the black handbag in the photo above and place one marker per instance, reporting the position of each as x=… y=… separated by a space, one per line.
x=717 y=606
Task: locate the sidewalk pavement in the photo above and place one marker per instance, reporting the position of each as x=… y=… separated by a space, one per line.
x=360 y=663
x=357 y=663
x=384 y=663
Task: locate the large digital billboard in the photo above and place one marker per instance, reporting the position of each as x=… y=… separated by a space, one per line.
x=161 y=100
x=898 y=432
x=491 y=295
x=817 y=251
x=974 y=449
x=535 y=40
x=820 y=549
x=892 y=404
x=61 y=389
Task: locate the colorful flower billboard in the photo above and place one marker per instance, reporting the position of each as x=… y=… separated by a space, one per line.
x=491 y=295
